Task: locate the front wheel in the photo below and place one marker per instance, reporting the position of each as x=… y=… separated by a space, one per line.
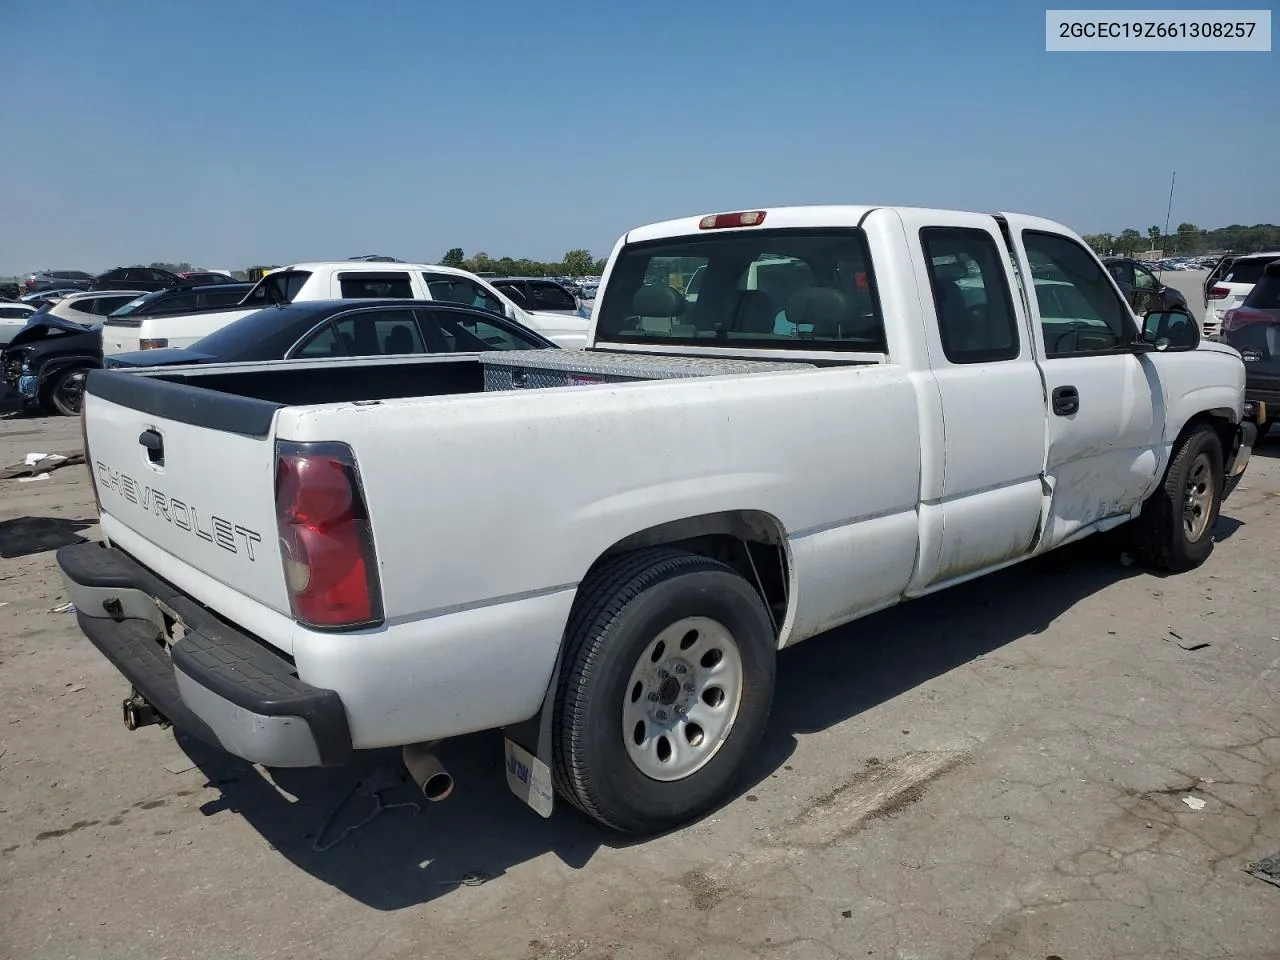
x=1175 y=528
x=64 y=393
x=665 y=691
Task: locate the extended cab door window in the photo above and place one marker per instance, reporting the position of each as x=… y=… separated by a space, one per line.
x=451 y=288
x=1079 y=310
x=970 y=295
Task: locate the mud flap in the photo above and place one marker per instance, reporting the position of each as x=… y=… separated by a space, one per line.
x=527 y=751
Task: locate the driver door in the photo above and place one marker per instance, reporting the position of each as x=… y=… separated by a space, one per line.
x=1106 y=406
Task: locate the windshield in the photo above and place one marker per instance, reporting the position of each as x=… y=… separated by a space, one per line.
x=801 y=289
x=133 y=306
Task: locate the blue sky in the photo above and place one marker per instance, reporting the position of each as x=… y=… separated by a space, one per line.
x=233 y=133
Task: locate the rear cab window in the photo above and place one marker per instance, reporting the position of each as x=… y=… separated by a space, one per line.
x=363 y=285
x=1245 y=270
x=793 y=289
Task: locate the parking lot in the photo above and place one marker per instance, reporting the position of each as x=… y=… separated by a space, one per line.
x=1074 y=759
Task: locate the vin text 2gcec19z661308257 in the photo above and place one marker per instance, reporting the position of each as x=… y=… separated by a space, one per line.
x=600 y=552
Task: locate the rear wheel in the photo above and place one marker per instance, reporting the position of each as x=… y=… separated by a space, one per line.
x=665 y=690
x=1175 y=529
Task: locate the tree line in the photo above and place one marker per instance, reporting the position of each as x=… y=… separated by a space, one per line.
x=575 y=263
x=1188 y=240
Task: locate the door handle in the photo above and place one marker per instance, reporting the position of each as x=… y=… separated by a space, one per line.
x=153 y=443
x=1066 y=401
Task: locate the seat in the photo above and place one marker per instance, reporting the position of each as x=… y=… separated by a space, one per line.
x=961 y=330
x=753 y=313
x=657 y=302
x=399 y=340
x=826 y=309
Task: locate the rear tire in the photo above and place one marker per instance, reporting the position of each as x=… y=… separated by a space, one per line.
x=665 y=689
x=1175 y=529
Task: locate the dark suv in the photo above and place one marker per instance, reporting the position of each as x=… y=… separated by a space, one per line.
x=1142 y=288
x=57 y=280
x=135 y=278
x=1253 y=328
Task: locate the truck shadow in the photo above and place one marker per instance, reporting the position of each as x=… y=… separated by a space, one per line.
x=24 y=536
x=401 y=858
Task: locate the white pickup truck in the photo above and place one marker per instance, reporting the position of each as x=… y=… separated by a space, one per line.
x=601 y=551
x=340 y=280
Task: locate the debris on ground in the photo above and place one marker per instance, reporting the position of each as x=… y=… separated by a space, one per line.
x=1186 y=644
x=38 y=476
x=1195 y=803
x=1268 y=869
x=37 y=465
x=63 y=608
x=179 y=765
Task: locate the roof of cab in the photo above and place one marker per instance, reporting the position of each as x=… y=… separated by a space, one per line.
x=823 y=215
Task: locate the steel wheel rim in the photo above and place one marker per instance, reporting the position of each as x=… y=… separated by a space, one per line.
x=71 y=391
x=1197 y=500
x=682 y=699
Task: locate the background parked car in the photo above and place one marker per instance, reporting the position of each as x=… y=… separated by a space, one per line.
x=135 y=278
x=318 y=329
x=1142 y=288
x=1253 y=328
x=46 y=297
x=43 y=280
x=90 y=307
x=536 y=293
x=1229 y=284
x=47 y=360
x=13 y=317
x=207 y=277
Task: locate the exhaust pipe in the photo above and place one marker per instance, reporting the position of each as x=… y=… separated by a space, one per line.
x=427 y=771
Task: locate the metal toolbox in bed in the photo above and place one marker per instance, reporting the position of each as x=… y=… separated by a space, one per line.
x=534 y=369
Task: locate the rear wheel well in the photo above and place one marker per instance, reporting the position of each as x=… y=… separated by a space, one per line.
x=752 y=542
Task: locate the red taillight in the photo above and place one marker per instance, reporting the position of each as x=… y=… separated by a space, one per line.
x=1217 y=293
x=718 y=221
x=88 y=460
x=1244 y=317
x=326 y=542
x=158 y=343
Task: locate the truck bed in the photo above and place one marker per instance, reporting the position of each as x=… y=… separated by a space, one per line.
x=243 y=398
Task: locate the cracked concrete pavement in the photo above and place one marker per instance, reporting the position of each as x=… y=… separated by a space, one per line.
x=997 y=771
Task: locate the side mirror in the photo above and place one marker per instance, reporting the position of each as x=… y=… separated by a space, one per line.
x=1170 y=330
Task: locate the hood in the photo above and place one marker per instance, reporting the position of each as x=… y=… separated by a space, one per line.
x=43 y=325
x=156 y=358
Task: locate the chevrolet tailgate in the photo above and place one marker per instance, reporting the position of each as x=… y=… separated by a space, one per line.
x=186 y=486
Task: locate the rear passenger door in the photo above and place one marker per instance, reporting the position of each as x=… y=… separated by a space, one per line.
x=983 y=505
x=1103 y=427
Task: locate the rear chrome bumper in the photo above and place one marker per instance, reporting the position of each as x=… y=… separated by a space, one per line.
x=211 y=681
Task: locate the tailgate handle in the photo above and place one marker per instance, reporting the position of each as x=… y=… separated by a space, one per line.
x=154 y=444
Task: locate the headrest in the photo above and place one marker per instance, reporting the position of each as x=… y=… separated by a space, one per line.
x=824 y=307
x=657 y=300
x=950 y=271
